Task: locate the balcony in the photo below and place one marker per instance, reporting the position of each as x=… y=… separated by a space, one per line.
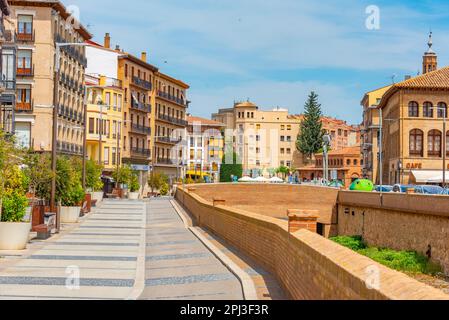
x=165 y=161
x=25 y=37
x=69 y=148
x=25 y=72
x=142 y=83
x=171 y=98
x=137 y=128
x=24 y=107
x=141 y=106
x=141 y=152
x=168 y=140
x=172 y=120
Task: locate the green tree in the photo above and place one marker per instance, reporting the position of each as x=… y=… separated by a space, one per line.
x=134 y=184
x=310 y=137
x=123 y=175
x=156 y=181
x=230 y=169
x=283 y=170
x=38 y=171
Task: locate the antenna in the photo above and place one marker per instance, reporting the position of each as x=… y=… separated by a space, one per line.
x=393 y=76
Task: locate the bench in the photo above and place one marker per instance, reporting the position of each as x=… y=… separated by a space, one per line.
x=44 y=230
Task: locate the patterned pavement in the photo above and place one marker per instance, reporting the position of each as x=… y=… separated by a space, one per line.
x=123 y=250
x=178 y=265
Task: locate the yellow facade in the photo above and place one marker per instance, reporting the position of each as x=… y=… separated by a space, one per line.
x=105 y=111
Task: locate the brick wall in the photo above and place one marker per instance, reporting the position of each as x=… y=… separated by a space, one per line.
x=307 y=265
x=398 y=221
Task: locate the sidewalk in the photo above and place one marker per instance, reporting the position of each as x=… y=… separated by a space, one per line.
x=103 y=248
x=178 y=265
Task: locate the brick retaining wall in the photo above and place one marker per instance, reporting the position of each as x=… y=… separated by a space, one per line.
x=307 y=265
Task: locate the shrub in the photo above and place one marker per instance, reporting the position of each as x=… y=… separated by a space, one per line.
x=14 y=207
x=39 y=174
x=164 y=189
x=156 y=180
x=93 y=176
x=123 y=175
x=354 y=243
x=134 y=184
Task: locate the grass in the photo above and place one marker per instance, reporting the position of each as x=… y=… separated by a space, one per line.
x=404 y=261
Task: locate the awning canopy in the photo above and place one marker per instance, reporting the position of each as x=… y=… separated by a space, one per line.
x=430 y=176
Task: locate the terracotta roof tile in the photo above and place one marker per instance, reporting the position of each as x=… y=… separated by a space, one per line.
x=204 y=121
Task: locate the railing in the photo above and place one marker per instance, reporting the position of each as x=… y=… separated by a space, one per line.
x=172 y=120
x=140 y=129
x=171 y=98
x=25 y=72
x=166 y=161
x=169 y=140
x=24 y=106
x=141 y=151
x=71 y=51
x=141 y=106
x=69 y=148
x=142 y=83
x=25 y=37
x=71 y=114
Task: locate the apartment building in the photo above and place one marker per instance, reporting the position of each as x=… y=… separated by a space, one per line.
x=265 y=140
x=170 y=124
x=8 y=70
x=104 y=121
x=205 y=147
x=370 y=133
x=39 y=25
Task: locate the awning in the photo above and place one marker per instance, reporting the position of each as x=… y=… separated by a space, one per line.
x=197 y=173
x=430 y=176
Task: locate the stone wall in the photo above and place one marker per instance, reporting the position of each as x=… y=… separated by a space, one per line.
x=307 y=265
x=398 y=221
x=275 y=200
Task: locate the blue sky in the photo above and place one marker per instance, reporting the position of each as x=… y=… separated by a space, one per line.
x=276 y=52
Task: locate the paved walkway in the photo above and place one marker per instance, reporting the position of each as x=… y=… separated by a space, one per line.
x=124 y=250
x=103 y=250
x=178 y=265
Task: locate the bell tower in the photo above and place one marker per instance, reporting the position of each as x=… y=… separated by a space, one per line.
x=430 y=58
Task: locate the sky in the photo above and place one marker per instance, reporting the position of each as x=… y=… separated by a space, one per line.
x=275 y=52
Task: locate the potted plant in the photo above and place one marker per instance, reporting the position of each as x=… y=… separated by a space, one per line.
x=14 y=232
x=69 y=190
x=122 y=176
x=93 y=180
x=134 y=187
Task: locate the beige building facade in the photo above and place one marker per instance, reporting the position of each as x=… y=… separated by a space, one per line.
x=39 y=25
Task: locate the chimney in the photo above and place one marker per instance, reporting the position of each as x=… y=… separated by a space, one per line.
x=117 y=48
x=144 y=57
x=107 y=41
x=407 y=77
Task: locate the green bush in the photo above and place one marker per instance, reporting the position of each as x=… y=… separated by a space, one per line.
x=14 y=207
x=134 y=184
x=156 y=180
x=405 y=261
x=123 y=175
x=164 y=189
x=93 y=176
x=228 y=169
x=68 y=183
x=39 y=174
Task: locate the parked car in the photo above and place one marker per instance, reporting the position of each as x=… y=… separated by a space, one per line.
x=433 y=190
x=384 y=188
x=399 y=188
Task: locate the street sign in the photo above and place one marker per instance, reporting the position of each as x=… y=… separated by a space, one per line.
x=138 y=167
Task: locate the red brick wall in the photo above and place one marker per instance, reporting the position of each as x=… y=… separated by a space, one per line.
x=307 y=265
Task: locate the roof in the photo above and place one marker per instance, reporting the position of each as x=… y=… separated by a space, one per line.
x=246 y=104
x=356 y=150
x=171 y=79
x=55 y=4
x=435 y=80
x=138 y=61
x=204 y=121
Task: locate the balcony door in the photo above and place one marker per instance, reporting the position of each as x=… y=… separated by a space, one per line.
x=24 y=62
x=23 y=98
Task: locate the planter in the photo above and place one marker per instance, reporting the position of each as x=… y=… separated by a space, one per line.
x=133 y=196
x=14 y=235
x=98 y=196
x=70 y=214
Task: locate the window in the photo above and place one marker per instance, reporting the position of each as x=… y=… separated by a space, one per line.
x=289 y=128
x=282 y=138
x=348 y=162
x=447 y=143
x=434 y=143
x=126 y=71
x=282 y=127
x=114 y=156
x=91 y=125
x=413 y=109
x=282 y=150
x=107 y=99
x=340 y=132
x=289 y=151
x=119 y=102
x=428 y=110
x=258 y=126
x=23 y=97
x=25 y=25
x=442 y=110
x=106 y=155
x=114 y=101
x=356 y=162
x=416 y=142
x=23 y=61
x=289 y=138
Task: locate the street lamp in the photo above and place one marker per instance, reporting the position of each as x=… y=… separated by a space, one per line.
x=327 y=139
x=58 y=47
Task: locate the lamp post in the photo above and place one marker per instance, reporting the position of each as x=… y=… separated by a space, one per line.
x=444 y=148
x=380 y=143
x=327 y=139
x=58 y=47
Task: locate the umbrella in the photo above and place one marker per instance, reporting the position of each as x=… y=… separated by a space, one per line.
x=261 y=179
x=246 y=179
x=276 y=180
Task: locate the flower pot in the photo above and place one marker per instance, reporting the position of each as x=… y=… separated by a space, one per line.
x=98 y=196
x=14 y=235
x=133 y=196
x=70 y=214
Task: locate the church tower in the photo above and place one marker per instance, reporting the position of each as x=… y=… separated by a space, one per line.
x=430 y=58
